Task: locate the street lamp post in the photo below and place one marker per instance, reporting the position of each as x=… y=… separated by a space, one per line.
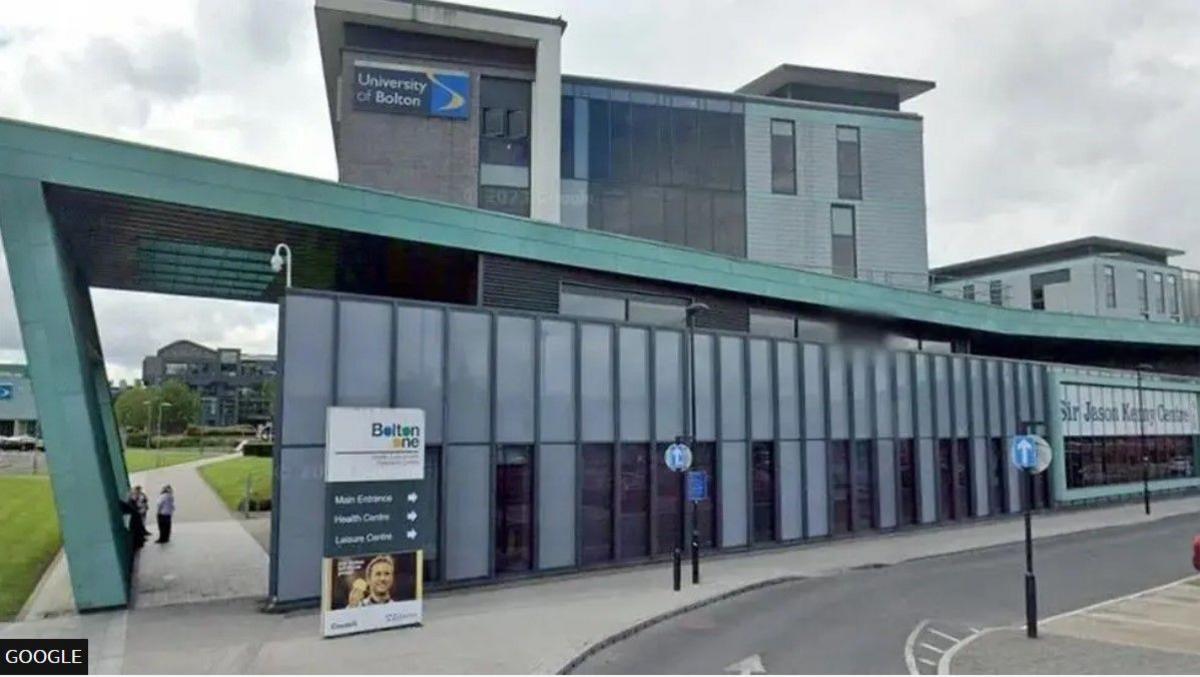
x=158 y=438
x=692 y=310
x=1142 y=437
x=149 y=421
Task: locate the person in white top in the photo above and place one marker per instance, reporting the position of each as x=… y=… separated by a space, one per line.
x=166 y=509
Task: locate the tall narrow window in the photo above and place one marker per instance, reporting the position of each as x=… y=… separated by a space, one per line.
x=1110 y=287
x=703 y=458
x=969 y=292
x=945 y=495
x=1173 y=295
x=849 y=164
x=996 y=292
x=845 y=258
x=1143 y=294
x=1160 y=305
x=597 y=503
x=864 y=485
x=963 y=486
x=764 y=491
x=908 y=482
x=839 y=484
x=504 y=145
x=514 y=508
x=783 y=157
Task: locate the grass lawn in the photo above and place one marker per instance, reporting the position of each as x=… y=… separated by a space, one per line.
x=137 y=460
x=29 y=538
x=228 y=479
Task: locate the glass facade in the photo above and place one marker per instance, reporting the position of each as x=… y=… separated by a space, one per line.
x=667 y=496
x=864 y=485
x=783 y=157
x=845 y=249
x=514 y=508
x=839 y=485
x=704 y=458
x=659 y=166
x=763 y=463
x=613 y=304
x=907 y=480
x=635 y=501
x=1098 y=461
x=849 y=164
x=504 y=145
x=596 y=504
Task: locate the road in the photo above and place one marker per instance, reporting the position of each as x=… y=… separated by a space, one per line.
x=860 y=621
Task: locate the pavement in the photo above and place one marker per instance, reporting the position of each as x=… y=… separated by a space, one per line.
x=210 y=556
x=535 y=626
x=1156 y=631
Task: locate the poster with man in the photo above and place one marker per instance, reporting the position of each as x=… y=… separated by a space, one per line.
x=377 y=519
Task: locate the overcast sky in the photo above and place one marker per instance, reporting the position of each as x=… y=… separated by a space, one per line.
x=1050 y=120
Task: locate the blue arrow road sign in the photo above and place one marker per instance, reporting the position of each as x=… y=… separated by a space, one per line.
x=1024 y=451
x=697 y=485
x=6 y=391
x=678 y=457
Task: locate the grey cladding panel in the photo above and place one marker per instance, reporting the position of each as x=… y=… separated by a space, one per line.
x=904 y=396
x=1024 y=406
x=786 y=356
x=791 y=511
x=924 y=396
x=817 y=508
x=596 y=383
x=839 y=404
x=468 y=390
x=706 y=411
x=978 y=408
x=301 y=505
x=732 y=473
x=814 y=392
x=928 y=483
x=885 y=451
x=733 y=394
x=992 y=386
x=979 y=471
x=668 y=384
x=557 y=397
x=419 y=365
x=635 y=383
x=885 y=404
x=556 y=505
x=514 y=379
x=364 y=345
x=864 y=425
x=941 y=384
x=1008 y=387
x=467 y=499
x=962 y=424
x=307 y=392
x=762 y=405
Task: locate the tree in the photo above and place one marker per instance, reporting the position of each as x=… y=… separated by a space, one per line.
x=132 y=410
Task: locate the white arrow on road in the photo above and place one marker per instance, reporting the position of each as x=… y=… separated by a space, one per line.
x=412 y=515
x=412 y=498
x=750 y=665
x=412 y=533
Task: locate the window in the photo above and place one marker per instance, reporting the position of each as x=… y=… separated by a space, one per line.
x=1110 y=287
x=667 y=495
x=969 y=292
x=1038 y=283
x=1173 y=295
x=996 y=292
x=518 y=124
x=763 y=482
x=997 y=476
x=765 y=323
x=908 y=482
x=635 y=500
x=504 y=146
x=1143 y=294
x=433 y=469
x=844 y=257
x=1160 y=305
x=514 y=508
x=703 y=458
x=849 y=164
x=596 y=516
x=963 y=485
x=945 y=495
x=783 y=157
x=611 y=304
x=864 y=485
x=839 y=485
x=176 y=368
x=1098 y=461
x=566 y=162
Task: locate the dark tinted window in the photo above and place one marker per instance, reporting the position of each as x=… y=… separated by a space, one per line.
x=703 y=458
x=635 y=500
x=945 y=494
x=996 y=292
x=969 y=292
x=908 y=482
x=839 y=485
x=849 y=163
x=963 y=486
x=864 y=485
x=514 y=508
x=599 y=154
x=997 y=477
x=783 y=157
x=763 y=481
x=667 y=494
x=845 y=257
x=596 y=510
x=566 y=161
x=766 y=323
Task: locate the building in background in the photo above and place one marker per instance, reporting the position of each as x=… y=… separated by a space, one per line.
x=1088 y=276
x=18 y=413
x=234 y=387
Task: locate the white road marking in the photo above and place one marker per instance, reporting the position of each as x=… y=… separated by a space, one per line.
x=1119 y=599
x=910 y=659
x=928 y=662
x=974 y=630
x=939 y=633
x=932 y=647
x=1166 y=600
x=943 y=667
x=1122 y=618
x=750 y=665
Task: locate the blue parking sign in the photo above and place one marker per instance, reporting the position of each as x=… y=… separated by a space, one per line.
x=697 y=485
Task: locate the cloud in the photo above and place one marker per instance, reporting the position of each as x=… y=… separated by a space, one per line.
x=1049 y=121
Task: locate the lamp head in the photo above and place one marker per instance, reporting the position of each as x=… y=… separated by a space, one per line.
x=276 y=262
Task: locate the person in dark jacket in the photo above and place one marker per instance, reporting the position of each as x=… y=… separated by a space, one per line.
x=137 y=526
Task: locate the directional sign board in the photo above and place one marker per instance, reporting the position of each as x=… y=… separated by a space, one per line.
x=1030 y=452
x=378 y=519
x=697 y=485
x=678 y=457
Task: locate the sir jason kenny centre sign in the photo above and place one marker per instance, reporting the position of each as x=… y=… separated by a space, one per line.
x=1103 y=411
x=411 y=90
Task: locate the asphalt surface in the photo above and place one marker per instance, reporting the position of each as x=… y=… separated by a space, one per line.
x=859 y=621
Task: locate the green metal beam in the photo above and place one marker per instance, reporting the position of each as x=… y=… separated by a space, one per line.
x=120 y=168
x=83 y=451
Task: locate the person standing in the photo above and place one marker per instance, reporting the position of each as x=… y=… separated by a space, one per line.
x=137 y=525
x=166 y=509
x=141 y=501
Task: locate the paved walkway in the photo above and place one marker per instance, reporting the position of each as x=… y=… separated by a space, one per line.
x=1153 y=632
x=210 y=555
x=535 y=627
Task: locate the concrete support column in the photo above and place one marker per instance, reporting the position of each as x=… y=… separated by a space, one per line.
x=83 y=451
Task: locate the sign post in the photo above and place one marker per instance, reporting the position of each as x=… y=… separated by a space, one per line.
x=1032 y=455
x=678 y=457
x=697 y=490
x=377 y=519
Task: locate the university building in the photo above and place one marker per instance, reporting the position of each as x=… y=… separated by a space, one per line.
x=234 y=387
x=514 y=251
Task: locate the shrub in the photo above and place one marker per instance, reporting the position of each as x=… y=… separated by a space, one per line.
x=238 y=431
x=254 y=448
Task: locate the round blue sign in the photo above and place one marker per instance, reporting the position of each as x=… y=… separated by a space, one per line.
x=678 y=457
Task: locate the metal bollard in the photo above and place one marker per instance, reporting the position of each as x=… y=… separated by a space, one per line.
x=695 y=559
x=678 y=568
